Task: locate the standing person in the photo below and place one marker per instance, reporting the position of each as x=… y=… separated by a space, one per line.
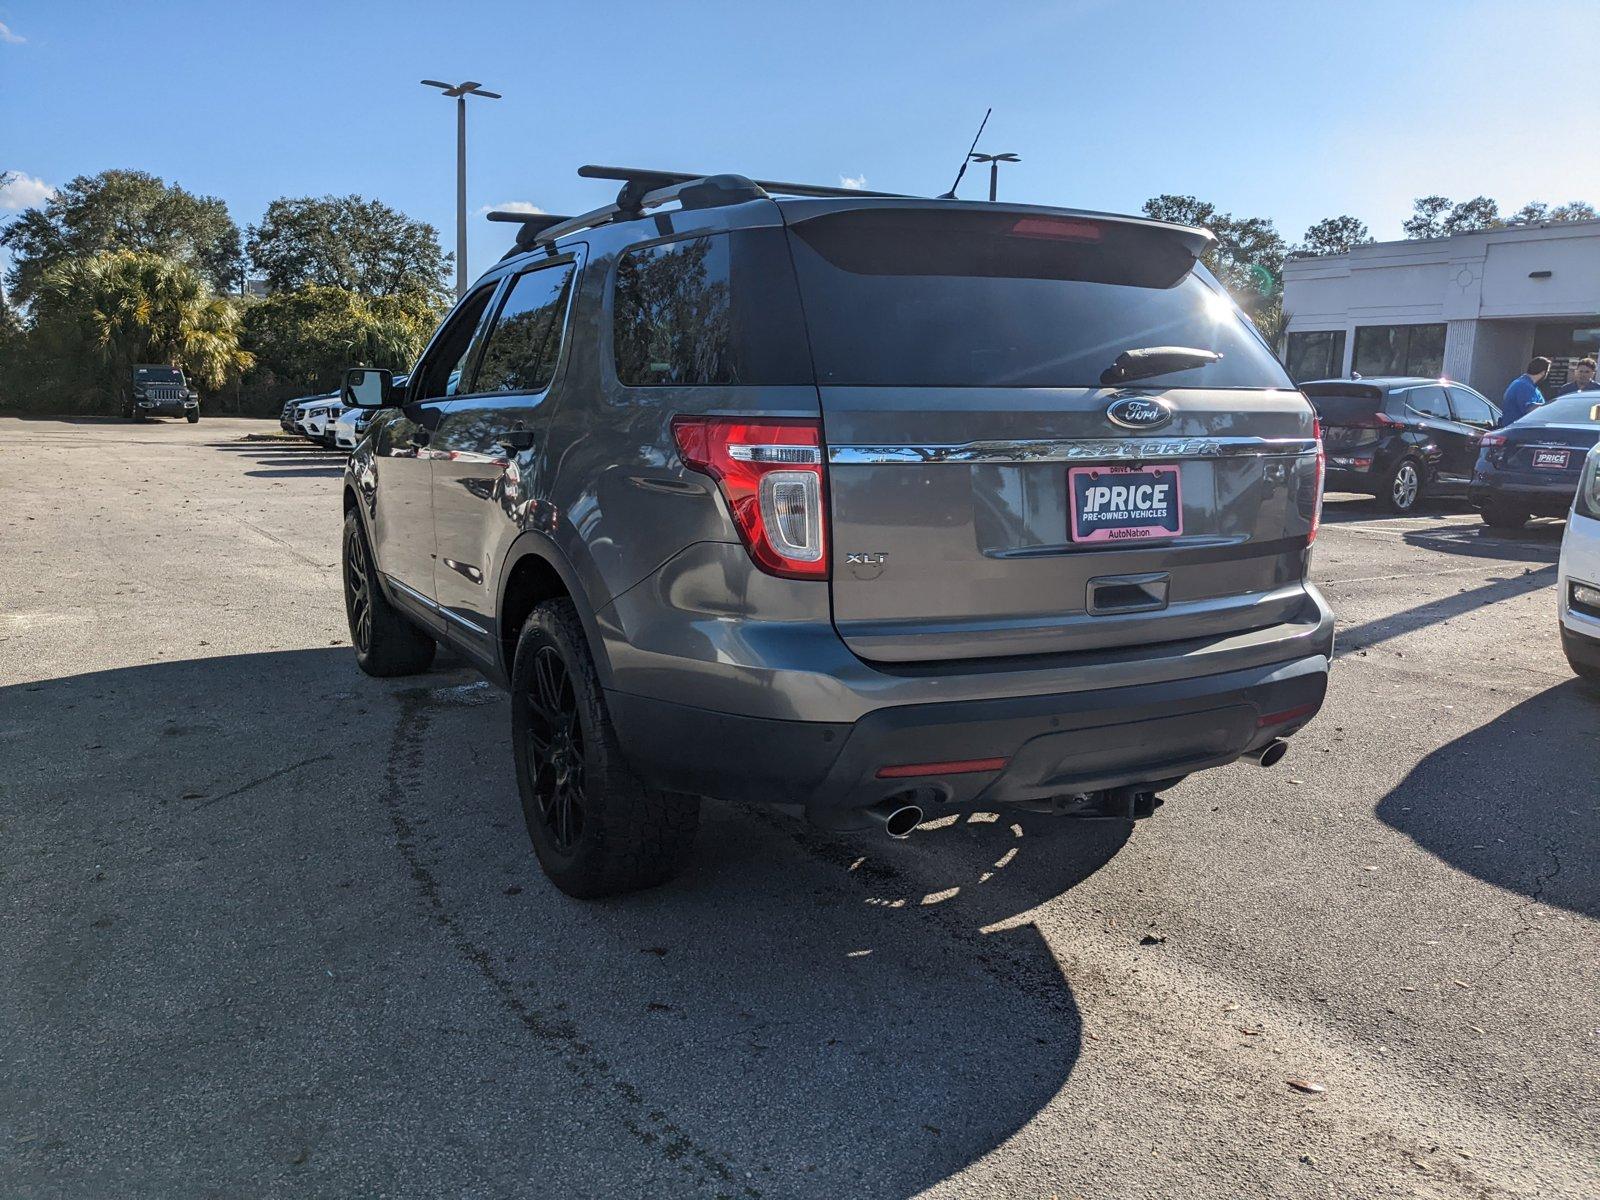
x=1523 y=394
x=1582 y=378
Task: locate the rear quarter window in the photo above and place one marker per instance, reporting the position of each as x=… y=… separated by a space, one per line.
x=716 y=309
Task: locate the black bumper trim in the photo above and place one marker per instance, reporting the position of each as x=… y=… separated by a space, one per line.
x=1056 y=744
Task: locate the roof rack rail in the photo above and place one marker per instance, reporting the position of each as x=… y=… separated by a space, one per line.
x=533 y=224
x=644 y=188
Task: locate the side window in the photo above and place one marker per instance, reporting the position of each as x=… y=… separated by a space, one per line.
x=449 y=356
x=1471 y=407
x=718 y=309
x=1428 y=402
x=523 y=346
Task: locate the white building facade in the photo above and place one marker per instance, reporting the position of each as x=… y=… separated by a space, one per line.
x=1474 y=307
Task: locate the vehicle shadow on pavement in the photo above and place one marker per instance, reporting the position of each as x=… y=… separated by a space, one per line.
x=1513 y=803
x=291 y=896
x=287 y=460
x=1383 y=629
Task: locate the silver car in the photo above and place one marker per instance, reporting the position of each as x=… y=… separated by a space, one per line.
x=879 y=507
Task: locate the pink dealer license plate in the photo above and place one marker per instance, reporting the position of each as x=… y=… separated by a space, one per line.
x=1125 y=504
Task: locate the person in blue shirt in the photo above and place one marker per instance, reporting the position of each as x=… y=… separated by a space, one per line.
x=1523 y=395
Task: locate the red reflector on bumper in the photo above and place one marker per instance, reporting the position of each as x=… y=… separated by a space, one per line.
x=1287 y=715
x=961 y=766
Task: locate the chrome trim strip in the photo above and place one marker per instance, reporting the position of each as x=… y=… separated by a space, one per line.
x=435 y=607
x=412 y=593
x=1077 y=450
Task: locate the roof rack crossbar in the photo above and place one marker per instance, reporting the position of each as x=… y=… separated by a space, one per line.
x=657 y=179
x=647 y=188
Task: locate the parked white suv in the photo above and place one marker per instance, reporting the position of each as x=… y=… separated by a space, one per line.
x=1578 y=591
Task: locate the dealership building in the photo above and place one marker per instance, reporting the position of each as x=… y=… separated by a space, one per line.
x=1473 y=307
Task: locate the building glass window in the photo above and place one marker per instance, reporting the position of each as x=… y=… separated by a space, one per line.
x=1400 y=350
x=1315 y=355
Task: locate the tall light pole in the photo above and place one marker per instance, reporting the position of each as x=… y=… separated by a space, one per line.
x=994 y=161
x=459 y=92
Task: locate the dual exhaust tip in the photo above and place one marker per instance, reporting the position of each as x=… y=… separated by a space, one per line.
x=898 y=815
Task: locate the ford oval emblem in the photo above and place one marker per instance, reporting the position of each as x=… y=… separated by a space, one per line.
x=1139 y=412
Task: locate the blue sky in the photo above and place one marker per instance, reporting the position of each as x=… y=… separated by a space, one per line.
x=1283 y=109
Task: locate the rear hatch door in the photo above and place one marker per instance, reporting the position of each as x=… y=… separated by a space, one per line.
x=990 y=495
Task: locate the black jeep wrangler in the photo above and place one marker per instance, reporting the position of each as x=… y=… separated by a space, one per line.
x=159 y=391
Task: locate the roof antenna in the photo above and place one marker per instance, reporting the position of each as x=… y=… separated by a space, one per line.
x=951 y=194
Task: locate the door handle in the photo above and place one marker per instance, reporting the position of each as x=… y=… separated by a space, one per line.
x=517 y=440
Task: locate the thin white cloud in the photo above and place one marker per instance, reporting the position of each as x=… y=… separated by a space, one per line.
x=19 y=191
x=516 y=206
x=854 y=182
x=9 y=38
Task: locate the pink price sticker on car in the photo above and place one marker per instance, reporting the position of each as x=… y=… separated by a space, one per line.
x=1125 y=504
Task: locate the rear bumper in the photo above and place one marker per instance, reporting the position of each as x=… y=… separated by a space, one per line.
x=1543 y=497
x=1054 y=744
x=1346 y=479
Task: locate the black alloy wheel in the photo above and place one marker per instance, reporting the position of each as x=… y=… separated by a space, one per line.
x=556 y=750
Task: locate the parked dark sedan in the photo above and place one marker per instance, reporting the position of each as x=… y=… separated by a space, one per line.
x=1400 y=438
x=1531 y=467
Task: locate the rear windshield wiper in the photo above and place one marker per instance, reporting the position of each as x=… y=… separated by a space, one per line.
x=1156 y=360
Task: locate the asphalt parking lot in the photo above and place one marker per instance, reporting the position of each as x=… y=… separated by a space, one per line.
x=271 y=927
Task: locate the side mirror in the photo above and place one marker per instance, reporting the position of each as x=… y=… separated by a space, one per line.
x=368 y=387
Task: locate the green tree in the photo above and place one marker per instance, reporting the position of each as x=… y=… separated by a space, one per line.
x=1427 y=217
x=1472 y=215
x=303 y=340
x=121 y=210
x=346 y=242
x=1334 y=235
x=1438 y=216
x=93 y=318
x=1536 y=212
x=1248 y=257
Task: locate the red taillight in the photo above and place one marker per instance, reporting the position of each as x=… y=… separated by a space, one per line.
x=772 y=476
x=1493 y=439
x=1322 y=474
x=1385 y=421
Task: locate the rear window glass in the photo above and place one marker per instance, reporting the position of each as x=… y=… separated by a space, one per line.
x=1337 y=402
x=717 y=309
x=1580 y=408
x=917 y=298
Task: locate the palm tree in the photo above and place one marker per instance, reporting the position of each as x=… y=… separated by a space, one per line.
x=129 y=307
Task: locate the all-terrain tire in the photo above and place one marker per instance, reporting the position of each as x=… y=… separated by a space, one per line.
x=385 y=641
x=596 y=828
x=194 y=418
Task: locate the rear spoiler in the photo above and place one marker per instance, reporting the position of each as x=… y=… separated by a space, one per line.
x=1193 y=239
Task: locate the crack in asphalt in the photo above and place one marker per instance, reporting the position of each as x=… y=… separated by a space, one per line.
x=267 y=778
x=1535 y=897
x=647 y=1123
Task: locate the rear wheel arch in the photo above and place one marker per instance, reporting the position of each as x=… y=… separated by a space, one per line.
x=535 y=572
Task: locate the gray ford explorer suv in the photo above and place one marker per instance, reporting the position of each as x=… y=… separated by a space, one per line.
x=877 y=506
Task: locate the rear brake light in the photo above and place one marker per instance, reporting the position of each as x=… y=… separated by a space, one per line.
x=1057 y=230
x=1384 y=420
x=1322 y=474
x=772 y=477
x=1493 y=439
